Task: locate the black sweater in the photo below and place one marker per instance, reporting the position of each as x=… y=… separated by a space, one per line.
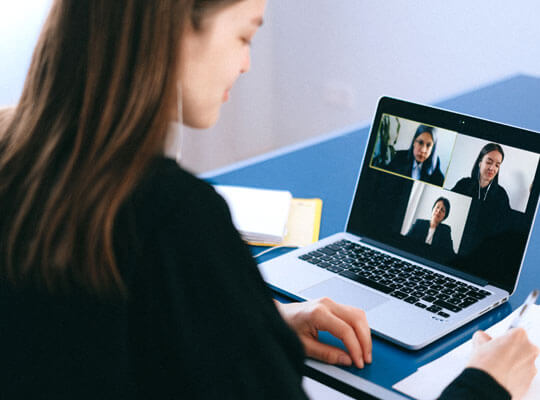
x=199 y=322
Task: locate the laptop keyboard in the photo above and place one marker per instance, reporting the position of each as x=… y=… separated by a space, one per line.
x=436 y=293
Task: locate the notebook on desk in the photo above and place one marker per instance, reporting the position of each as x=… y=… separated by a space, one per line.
x=438 y=225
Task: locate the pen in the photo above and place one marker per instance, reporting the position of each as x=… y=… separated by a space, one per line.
x=531 y=299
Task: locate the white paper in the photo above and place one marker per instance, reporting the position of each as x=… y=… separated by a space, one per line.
x=260 y=215
x=428 y=382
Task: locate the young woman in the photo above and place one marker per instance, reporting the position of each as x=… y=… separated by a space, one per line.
x=420 y=161
x=489 y=214
x=122 y=275
x=483 y=184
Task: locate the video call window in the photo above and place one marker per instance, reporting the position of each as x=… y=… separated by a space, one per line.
x=413 y=150
x=464 y=191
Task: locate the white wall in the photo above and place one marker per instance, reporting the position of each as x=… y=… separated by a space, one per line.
x=20 y=24
x=321 y=65
x=336 y=58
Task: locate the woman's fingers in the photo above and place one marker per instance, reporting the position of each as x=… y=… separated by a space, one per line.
x=357 y=319
x=325 y=352
x=346 y=324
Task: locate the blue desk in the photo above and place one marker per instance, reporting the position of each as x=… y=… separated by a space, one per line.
x=328 y=167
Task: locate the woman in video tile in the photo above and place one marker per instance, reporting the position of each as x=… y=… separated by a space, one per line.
x=420 y=161
x=490 y=208
x=433 y=232
x=483 y=183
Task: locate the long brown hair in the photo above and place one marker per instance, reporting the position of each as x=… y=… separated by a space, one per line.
x=92 y=115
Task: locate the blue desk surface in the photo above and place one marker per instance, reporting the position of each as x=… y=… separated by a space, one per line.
x=328 y=169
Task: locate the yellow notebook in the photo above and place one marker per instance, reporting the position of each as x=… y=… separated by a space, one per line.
x=303 y=224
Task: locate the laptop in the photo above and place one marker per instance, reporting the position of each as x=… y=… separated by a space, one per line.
x=437 y=229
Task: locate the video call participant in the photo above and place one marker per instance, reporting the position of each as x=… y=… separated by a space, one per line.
x=420 y=161
x=490 y=206
x=483 y=184
x=433 y=232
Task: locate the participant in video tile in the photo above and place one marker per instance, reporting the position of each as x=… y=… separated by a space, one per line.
x=489 y=215
x=420 y=161
x=433 y=232
x=483 y=183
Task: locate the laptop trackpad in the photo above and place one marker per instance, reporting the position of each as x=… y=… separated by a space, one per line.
x=345 y=292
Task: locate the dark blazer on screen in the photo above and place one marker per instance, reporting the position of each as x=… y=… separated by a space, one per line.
x=402 y=164
x=442 y=238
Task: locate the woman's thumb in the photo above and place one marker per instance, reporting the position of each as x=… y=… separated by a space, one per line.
x=480 y=337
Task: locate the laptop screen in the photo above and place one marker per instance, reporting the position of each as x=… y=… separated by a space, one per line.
x=448 y=190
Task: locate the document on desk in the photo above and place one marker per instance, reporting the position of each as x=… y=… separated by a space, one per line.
x=429 y=381
x=260 y=215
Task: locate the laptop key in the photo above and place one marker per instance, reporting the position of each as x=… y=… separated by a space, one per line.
x=467 y=303
x=327 y=251
x=334 y=269
x=399 y=295
x=367 y=282
x=434 y=309
x=447 y=305
x=421 y=305
x=471 y=300
x=476 y=295
x=443 y=314
x=324 y=264
x=453 y=300
x=411 y=299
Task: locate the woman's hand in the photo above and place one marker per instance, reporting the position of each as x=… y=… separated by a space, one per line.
x=344 y=322
x=509 y=359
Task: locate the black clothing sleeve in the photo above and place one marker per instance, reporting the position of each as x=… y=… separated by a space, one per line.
x=474 y=384
x=204 y=325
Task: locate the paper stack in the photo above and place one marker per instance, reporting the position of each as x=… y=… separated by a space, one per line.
x=260 y=215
